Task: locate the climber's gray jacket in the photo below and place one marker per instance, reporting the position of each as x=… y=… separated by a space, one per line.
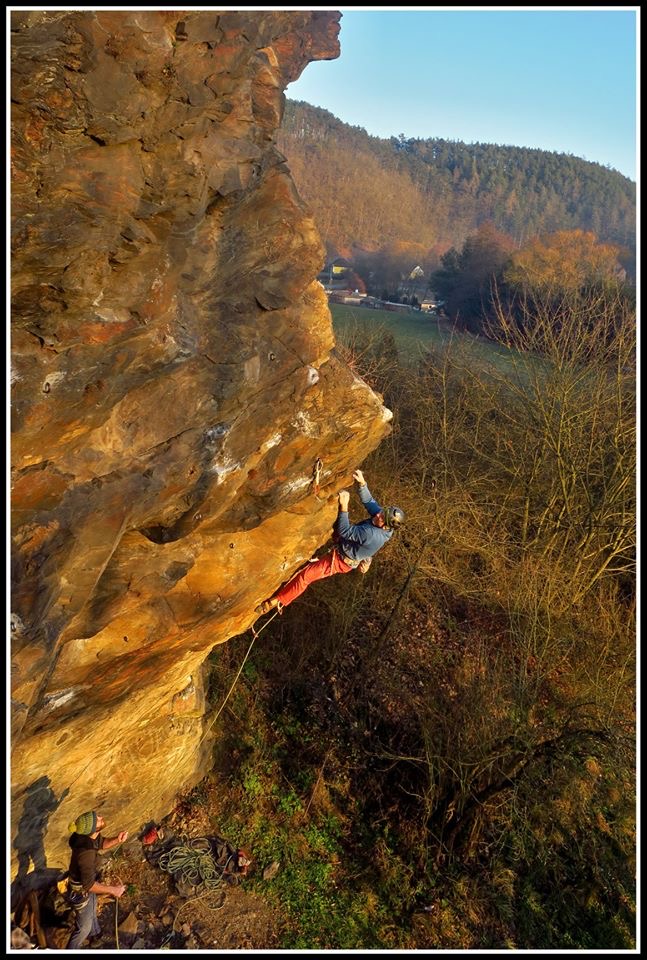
x=357 y=541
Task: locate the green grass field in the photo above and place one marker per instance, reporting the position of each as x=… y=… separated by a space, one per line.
x=414 y=332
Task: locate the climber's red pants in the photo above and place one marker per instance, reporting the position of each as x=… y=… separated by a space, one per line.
x=327 y=566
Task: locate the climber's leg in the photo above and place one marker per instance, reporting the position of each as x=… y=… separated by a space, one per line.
x=327 y=566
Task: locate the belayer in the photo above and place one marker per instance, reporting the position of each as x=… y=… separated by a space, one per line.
x=86 y=843
x=355 y=544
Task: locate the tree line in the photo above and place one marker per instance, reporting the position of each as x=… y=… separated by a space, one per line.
x=555 y=268
x=368 y=192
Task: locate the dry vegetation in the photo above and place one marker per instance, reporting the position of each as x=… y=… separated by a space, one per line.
x=442 y=753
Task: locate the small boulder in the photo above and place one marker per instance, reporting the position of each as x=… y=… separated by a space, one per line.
x=270 y=872
x=130 y=924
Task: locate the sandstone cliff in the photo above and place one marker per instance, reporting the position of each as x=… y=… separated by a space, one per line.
x=173 y=383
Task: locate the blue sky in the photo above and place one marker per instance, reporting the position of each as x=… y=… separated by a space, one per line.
x=561 y=79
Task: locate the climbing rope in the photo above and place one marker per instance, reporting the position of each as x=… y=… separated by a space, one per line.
x=201 y=897
x=193 y=863
x=255 y=633
x=116 y=899
x=190 y=860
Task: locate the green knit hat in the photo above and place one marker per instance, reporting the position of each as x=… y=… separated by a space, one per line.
x=86 y=823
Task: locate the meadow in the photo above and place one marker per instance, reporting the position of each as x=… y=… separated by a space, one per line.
x=415 y=333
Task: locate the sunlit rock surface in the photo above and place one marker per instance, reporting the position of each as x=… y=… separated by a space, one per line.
x=172 y=388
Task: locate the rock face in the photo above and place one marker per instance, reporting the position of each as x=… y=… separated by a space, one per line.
x=173 y=384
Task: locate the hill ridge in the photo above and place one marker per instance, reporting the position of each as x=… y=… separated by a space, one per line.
x=370 y=191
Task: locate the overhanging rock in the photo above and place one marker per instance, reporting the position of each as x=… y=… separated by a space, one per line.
x=173 y=383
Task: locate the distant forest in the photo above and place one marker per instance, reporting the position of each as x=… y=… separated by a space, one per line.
x=369 y=192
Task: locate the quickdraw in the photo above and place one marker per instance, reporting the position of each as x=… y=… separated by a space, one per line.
x=316 y=476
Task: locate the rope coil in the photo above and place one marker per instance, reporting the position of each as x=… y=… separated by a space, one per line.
x=194 y=864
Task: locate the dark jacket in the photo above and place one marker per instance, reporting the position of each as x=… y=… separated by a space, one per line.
x=357 y=541
x=83 y=863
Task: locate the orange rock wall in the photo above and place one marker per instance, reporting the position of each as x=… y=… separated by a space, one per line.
x=173 y=382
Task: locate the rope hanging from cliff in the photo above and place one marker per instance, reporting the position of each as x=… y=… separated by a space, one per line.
x=116 y=899
x=255 y=633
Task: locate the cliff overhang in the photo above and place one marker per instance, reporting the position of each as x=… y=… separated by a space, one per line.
x=174 y=381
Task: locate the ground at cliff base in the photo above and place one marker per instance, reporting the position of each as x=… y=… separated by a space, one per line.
x=152 y=915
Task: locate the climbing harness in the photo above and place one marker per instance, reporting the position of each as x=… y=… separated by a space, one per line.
x=316 y=476
x=363 y=565
x=349 y=561
x=75 y=895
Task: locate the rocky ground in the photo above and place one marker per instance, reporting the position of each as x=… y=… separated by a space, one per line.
x=153 y=914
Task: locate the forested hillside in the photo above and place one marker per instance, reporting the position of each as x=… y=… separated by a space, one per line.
x=368 y=192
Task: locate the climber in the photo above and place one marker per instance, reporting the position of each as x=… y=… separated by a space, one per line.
x=86 y=842
x=355 y=544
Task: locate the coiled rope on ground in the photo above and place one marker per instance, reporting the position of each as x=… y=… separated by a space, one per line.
x=194 y=864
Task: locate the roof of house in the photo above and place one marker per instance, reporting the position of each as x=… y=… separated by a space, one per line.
x=338 y=262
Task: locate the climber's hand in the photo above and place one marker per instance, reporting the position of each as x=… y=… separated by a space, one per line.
x=359 y=477
x=344 y=498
